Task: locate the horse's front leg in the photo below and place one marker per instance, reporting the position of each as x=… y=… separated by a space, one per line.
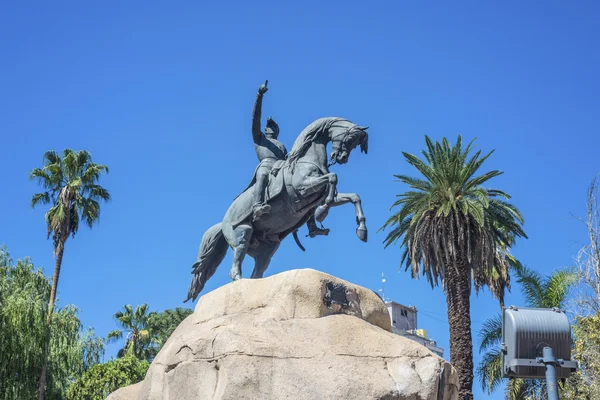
x=311 y=182
x=343 y=198
x=315 y=184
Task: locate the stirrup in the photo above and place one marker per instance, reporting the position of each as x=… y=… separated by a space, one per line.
x=316 y=231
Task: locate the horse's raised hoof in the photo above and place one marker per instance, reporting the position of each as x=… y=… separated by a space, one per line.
x=362 y=234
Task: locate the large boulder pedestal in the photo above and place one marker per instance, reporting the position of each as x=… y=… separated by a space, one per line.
x=300 y=334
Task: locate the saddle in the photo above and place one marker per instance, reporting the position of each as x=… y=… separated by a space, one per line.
x=276 y=182
x=273 y=189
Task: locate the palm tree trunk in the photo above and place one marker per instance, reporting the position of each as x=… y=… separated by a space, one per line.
x=60 y=248
x=458 y=290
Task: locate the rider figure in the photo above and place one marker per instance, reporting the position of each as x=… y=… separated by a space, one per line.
x=269 y=150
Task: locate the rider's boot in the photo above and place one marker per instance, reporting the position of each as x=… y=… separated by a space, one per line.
x=314 y=230
x=260 y=208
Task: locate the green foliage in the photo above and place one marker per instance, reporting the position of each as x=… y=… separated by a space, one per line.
x=24 y=294
x=162 y=324
x=70 y=184
x=134 y=325
x=145 y=332
x=585 y=384
x=545 y=292
x=448 y=218
x=102 y=379
x=539 y=292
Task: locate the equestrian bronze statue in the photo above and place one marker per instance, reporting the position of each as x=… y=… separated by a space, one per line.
x=287 y=191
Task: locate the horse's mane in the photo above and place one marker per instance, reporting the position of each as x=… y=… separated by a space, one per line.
x=311 y=133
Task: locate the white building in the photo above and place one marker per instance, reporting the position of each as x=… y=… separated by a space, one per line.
x=404 y=322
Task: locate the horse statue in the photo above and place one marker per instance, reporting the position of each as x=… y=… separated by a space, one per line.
x=302 y=188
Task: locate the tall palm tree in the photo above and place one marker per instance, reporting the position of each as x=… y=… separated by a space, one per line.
x=450 y=228
x=139 y=339
x=70 y=184
x=538 y=292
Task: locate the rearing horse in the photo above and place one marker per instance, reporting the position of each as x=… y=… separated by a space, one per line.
x=302 y=187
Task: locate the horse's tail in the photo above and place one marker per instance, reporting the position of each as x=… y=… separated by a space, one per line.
x=212 y=251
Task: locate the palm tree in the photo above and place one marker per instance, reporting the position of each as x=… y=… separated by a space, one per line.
x=162 y=324
x=139 y=339
x=450 y=228
x=70 y=184
x=498 y=279
x=539 y=292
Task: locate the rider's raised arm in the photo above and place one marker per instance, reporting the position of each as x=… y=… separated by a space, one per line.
x=256 y=113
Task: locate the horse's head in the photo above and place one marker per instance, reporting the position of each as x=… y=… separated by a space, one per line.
x=343 y=134
x=345 y=138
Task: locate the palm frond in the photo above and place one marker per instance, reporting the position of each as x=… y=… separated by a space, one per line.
x=52 y=157
x=516 y=389
x=415 y=183
x=114 y=336
x=489 y=370
x=92 y=172
x=557 y=286
x=97 y=192
x=45 y=178
x=480 y=180
x=423 y=168
x=40 y=198
x=490 y=334
x=531 y=286
x=140 y=311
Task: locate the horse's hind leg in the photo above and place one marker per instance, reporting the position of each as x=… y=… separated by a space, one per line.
x=239 y=239
x=262 y=258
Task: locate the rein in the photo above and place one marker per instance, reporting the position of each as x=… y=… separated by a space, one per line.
x=333 y=160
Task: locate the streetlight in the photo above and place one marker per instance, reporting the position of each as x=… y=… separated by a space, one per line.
x=536 y=344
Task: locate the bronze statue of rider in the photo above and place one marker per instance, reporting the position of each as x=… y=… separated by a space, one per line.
x=269 y=150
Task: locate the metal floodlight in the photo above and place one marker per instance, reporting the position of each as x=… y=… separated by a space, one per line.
x=536 y=344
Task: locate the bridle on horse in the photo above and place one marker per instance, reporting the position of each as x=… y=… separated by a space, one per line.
x=343 y=141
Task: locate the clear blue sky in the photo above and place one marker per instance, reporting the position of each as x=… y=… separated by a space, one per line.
x=163 y=95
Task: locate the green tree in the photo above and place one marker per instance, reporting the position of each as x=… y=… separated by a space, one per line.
x=162 y=324
x=24 y=295
x=102 y=379
x=450 y=228
x=538 y=292
x=585 y=383
x=134 y=325
x=70 y=184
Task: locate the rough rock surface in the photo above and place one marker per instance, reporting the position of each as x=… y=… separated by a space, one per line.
x=283 y=337
x=127 y=392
